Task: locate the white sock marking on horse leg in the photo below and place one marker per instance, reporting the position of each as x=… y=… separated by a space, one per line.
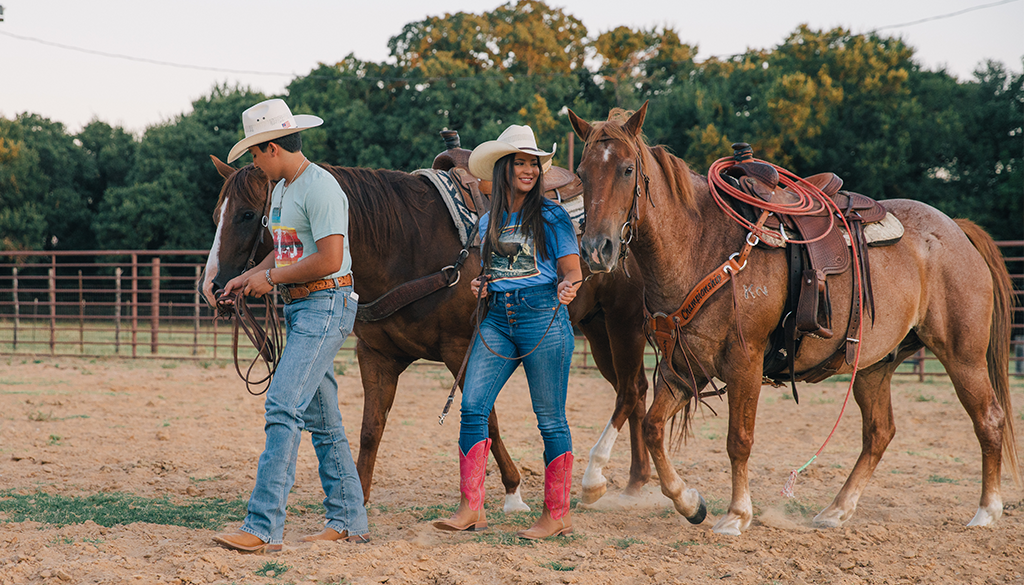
x=212 y=265
x=600 y=454
x=988 y=515
x=514 y=503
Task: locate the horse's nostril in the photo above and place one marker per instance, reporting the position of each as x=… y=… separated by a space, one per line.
x=607 y=251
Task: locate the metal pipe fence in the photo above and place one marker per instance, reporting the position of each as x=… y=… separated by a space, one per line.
x=144 y=304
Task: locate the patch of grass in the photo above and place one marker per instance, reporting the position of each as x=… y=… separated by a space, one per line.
x=118 y=508
x=494 y=537
x=169 y=366
x=54 y=440
x=94 y=541
x=625 y=542
x=340 y=368
x=272 y=569
x=40 y=416
x=940 y=479
x=429 y=513
x=923 y=398
x=558 y=566
x=797 y=508
x=717 y=507
x=58 y=540
x=681 y=544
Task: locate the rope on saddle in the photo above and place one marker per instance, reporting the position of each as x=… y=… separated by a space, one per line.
x=267 y=338
x=810 y=200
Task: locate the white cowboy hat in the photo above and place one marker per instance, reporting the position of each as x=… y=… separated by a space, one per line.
x=268 y=120
x=514 y=139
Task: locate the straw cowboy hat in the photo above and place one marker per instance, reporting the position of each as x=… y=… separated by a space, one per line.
x=269 y=120
x=514 y=139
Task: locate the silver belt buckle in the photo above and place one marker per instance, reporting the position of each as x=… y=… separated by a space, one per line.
x=286 y=295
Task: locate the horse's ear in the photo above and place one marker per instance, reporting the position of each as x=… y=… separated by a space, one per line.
x=636 y=121
x=223 y=168
x=582 y=128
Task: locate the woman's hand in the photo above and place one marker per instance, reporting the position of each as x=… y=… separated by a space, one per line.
x=567 y=291
x=478 y=286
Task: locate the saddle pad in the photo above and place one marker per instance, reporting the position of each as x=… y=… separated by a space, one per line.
x=465 y=220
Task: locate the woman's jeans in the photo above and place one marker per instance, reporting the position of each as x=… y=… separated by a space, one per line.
x=515 y=323
x=304 y=395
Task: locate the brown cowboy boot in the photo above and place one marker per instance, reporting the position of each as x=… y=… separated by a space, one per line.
x=555 y=520
x=472 y=470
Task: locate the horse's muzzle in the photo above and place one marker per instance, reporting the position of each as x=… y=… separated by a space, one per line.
x=600 y=252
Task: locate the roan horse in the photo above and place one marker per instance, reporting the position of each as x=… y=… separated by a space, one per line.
x=400 y=230
x=944 y=286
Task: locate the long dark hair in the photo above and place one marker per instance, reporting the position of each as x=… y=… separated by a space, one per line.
x=531 y=219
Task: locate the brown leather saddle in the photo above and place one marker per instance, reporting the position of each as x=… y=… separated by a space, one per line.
x=561 y=184
x=808 y=309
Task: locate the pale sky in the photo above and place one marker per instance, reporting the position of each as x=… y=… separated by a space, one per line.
x=282 y=40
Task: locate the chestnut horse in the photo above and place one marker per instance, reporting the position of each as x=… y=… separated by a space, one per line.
x=943 y=286
x=400 y=230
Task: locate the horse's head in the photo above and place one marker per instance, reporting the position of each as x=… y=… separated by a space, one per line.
x=611 y=173
x=239 y=219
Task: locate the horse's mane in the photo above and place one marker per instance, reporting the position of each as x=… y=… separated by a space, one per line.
x=676 y=171
x=376 y=198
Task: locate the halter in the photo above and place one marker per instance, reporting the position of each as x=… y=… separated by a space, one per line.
x=628 y=228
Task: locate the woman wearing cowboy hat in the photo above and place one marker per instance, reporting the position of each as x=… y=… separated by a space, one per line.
x=531 y=271
x=311 y=261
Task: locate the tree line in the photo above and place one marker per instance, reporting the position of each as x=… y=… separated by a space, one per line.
x=821 y=100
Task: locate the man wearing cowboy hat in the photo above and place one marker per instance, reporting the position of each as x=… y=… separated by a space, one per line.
x=311 y=263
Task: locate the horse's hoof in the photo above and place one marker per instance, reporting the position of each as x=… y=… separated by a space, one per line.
x=829 y=519
x=592 y=494
x=514 y=503
x=986 y=516
x=727 y=526
x=700 y=515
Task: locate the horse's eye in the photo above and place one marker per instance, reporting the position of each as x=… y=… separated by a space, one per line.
x=629 y=170
x=248 y=215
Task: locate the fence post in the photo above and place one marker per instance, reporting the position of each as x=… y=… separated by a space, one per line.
x=154 y=311
x=17 y=306
x=81 y=316
x=135 y=304
x=920 y=365
x=195 y=330
x=117 y=309
x=53 y=310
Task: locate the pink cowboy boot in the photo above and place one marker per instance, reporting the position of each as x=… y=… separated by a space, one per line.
x=472 y=470
x=556 y=519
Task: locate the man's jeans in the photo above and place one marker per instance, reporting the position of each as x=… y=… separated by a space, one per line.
x=304 y=395
x=515 y=323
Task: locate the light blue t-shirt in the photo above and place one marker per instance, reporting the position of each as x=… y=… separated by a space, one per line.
x=313 y=207
x=528 y=267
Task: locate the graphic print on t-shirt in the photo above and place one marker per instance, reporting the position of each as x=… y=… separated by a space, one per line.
x=522 y=263
x=287 y=245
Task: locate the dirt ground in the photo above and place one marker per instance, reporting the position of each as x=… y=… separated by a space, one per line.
x=185 y=432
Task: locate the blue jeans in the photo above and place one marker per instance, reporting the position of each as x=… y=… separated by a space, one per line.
x=304 y=395
x=515 y=323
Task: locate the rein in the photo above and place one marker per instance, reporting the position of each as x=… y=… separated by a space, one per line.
x=267 y=341
x=268 y=345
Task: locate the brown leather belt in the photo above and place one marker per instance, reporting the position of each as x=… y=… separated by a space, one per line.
x=294 y=292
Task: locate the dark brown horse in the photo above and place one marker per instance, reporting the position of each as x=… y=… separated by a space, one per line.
x=400 y=230
x=944 y=286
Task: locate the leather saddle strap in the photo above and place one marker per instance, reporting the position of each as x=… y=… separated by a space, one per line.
x=410 y=292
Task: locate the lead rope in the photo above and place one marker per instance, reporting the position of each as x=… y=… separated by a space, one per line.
x=476 y=332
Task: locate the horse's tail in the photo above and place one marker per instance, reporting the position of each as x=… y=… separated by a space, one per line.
x=999 y=338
